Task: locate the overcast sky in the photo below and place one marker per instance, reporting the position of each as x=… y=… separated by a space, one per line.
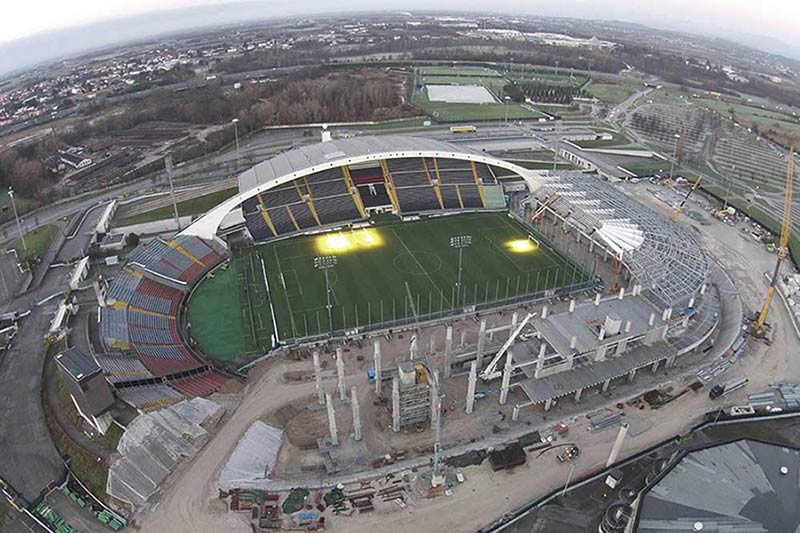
x=779 y=19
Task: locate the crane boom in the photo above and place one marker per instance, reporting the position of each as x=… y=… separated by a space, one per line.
x=675 y=214
x=783 y=246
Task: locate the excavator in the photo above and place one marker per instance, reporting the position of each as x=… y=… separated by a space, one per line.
x=757 y=327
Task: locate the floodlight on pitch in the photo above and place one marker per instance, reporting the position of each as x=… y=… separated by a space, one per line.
x=522 y=246
x=343 y=242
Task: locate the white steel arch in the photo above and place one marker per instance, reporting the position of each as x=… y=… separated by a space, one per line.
x=207 y=225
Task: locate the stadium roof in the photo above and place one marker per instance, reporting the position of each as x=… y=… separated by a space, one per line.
x=311 y=155
x=78 y=364
x=668 y=262
x=312 y=158
x=741 y=486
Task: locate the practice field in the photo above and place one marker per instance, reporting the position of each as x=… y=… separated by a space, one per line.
x=387 y=273
x=460 y=94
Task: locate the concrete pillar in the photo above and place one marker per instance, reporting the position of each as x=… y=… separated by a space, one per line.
x=506 y=382
x=652 y=319
x=340 y=374
x=631 y=375
x=606 y=383
x=473 y=380
x=395 y=405
x=654 y=366
x=448 y=342
x=691 y=302
x=628 y=325
x=703 y=289
x=621 y=293
x=597 y=299
x=356 y=414
x=515 y=413
x=612 y=457
x=432 y=345
x=540 y=359
x=578 y=394
x=491 y=333
x=572 y=305
x=376 y=355
x=318 y=379
x=665 y=314
x=463 y=340
x=435 y=398
x=573 y=341
x=544 y=311
x=548 y=403
x=331 y=420
x=670 y=361
x=481 y=341
x=602 y=334
x=591 y=246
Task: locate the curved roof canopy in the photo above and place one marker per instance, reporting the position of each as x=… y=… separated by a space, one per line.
x=313 y=158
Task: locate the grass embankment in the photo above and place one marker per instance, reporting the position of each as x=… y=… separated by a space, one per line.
x=36 y=242
x=192 y=206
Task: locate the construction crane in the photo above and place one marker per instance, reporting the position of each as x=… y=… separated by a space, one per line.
x=757 y=328
x=675 y=214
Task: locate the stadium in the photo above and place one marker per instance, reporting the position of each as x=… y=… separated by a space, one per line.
x=368 y=234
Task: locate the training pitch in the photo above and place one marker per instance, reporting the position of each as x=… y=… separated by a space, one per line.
x=393 y=272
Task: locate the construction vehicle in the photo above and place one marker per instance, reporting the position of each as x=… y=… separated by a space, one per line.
x=757 y=329
x=677 y=212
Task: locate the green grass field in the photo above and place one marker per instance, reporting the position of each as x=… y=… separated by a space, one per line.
x=612 y=93
x=36 y=242
x=385 y=274
x=192 y=206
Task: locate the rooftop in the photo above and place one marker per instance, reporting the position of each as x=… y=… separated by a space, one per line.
x=77 y=364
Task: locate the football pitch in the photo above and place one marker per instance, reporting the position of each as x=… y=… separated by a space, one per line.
x=391 y=273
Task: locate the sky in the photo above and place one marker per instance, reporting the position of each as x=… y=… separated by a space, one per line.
x=35 y=30
x=775 y=18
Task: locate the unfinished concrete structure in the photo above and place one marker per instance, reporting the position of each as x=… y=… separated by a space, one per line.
x=411 y=396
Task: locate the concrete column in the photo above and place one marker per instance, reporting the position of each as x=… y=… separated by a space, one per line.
x=448 y=341
x=395 y=405
x=491 y=333
x=548 y=404
x=591 y=246
x=463 y=340
x=473 y=379
x=578 y=394
x=665 y=314
x=573 y=341
x=652 y=319
x=670 y=361
x=606 y=383
x=621 y=293
x=654 y=366
x=602 y=334
x=340 y=374
x=331 y=420
x=597 y=299
x=356 y=414
x=544 y=311
x=540 y=360
x=506 y=382
x=376 y=355
x=612 y=457
x=515 y=413
x=481 y=341
x=703 y=289
x=628 y=325
x=572 y=305
x=413 y=348
x=631 y=375
x=435 y=398
x=318 y=379
x=432 y=345
x=691 y=302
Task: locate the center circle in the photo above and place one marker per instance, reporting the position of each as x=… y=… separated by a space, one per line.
x=417 y=263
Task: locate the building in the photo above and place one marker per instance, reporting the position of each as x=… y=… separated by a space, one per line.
x=75 y=159
x=744 y=485
x=88 y=388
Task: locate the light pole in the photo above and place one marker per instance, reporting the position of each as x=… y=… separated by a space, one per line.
x=325 y=263
x=16 y=217
x=507 y=98
x=460 y=242
x=236 y=133
x=674 y=155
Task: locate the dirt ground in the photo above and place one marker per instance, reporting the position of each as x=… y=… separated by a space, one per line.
x=189 y=503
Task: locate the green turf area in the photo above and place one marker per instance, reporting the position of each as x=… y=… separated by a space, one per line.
x=382 y=275
x=400 y=123
x=612 y=93
x=36 y=242
x=218 y=296
x=617 y=139
x=192 y=206
x=23 y=205
x=456 y=112
x=648 y=166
